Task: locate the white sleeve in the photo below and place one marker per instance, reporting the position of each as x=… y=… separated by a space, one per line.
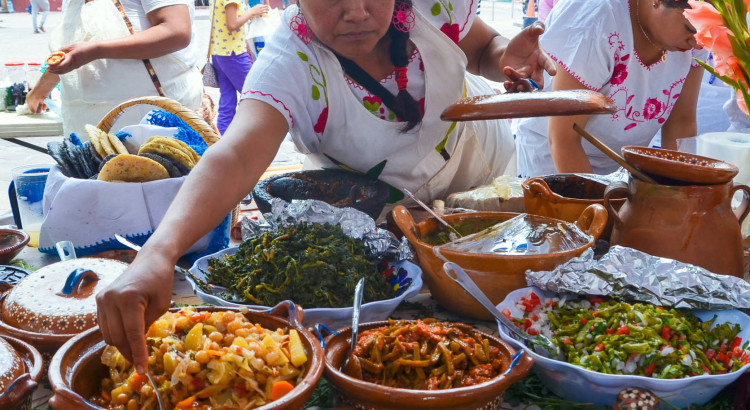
x=287 y=76
x=577 y=37
x=151 y=5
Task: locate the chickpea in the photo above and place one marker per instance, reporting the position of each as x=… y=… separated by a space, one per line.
x=216 y=337
x=272 y=357
x=122 y=398
x=202 y=357
x=234 y=325
x=242 y=332
x=215 y=346
x=260 y=378
x=182 y=323
x=228 y=338
x=228 y=317
x=146 y=390
x=193 y=367
x=133 y=404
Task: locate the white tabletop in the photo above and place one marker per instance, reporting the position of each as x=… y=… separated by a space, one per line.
x=46 y=124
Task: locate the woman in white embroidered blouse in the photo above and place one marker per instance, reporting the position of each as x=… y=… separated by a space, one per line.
x=637 y=52
x=415 y=58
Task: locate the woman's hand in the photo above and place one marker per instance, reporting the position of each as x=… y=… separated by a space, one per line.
x=132 y=302
x=35 y=100
x=76 y=55
x=525 y=57
x=258 y=10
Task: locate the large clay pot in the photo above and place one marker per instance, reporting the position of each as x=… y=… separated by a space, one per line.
x=495 y=274
x=689 y=223
x=565 y=196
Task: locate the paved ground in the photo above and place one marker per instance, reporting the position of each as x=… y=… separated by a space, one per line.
x=19 y=43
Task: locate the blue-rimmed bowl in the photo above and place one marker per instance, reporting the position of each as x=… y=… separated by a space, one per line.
x=575 y=383
x=405 y=276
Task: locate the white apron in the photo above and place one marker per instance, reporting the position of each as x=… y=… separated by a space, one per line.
x=91 y=91
x=431 y=160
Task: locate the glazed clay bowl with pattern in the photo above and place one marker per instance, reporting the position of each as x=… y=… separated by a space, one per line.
x=56 y=302
x=20 y=371
x=365 y=395
x=496 y=274
x=12 y=242
x=76 y=370
x=679 y=166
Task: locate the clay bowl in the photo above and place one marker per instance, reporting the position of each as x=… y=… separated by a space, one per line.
x=12 y=242
x=76 y=370
x=334 y=186
x=17 y=391
x=496 y=274
x=679 y=166
x=566 y=196
x=365 y=395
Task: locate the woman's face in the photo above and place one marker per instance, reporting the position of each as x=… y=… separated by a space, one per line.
x=672 y=30
x=351 y=28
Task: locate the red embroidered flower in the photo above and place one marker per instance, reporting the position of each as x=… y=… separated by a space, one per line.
x=652 y=108
x=451 y=30
x=298 y=25
x=320 y=126
x=619 y=75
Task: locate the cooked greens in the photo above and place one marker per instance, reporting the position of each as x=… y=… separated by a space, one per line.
x=313 y=265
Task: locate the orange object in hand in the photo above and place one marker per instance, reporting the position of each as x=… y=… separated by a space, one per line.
x=55 y=57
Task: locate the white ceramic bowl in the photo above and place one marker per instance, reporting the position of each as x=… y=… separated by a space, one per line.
x=582 y=385
x=333 y=317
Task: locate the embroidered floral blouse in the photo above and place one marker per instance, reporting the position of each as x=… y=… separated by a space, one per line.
x=298 y=90
x=593 y=41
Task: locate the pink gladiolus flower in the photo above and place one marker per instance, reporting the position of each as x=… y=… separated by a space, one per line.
x=702 y=14
x=741 y=102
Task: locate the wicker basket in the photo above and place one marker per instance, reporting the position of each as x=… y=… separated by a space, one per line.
x=190 y=117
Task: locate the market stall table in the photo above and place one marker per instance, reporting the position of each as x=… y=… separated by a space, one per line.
x=420 y=306
x=13 y=126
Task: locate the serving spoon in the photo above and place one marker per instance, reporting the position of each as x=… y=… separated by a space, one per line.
x=454 y=234
x=351 y=365
x=540 y=344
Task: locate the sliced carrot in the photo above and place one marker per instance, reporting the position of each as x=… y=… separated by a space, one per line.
x=280 y=388
x=185 y=403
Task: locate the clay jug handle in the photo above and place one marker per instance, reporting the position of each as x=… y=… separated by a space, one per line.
x=616 y=188
x=744 y=207
x=405 y=222
x=593 y=219
x=539 y=188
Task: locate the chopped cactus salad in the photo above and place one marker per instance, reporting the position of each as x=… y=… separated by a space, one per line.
x=206 y=360
x=614 y=337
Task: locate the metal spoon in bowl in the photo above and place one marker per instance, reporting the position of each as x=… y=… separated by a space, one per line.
x=454 y=234
x=540 y=344
x=351 y=365
x=159 y=399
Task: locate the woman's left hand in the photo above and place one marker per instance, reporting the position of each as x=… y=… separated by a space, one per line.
x=524 y=57
x=76 y=55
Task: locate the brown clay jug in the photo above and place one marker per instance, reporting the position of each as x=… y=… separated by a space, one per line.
x=689 y=223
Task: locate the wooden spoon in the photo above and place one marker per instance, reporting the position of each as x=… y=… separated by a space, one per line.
x=615 y=156
x=529 y=104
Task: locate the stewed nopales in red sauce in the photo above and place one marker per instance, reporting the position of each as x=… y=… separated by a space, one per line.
x=427 y=355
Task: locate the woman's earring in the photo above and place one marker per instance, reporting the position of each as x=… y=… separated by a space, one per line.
x=403 y=17
x=298 y=25
x=656 y=5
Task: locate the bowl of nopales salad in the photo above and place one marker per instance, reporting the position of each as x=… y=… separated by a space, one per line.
x=683 y=356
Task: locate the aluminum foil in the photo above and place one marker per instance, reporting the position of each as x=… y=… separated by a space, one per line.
x=379 y=243
x=637 y=276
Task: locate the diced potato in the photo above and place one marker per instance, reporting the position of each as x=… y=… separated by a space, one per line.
x=296 y=349
x=274 y=355
x=240 y=341
x=160 y=328
x=194 y=338
x=170 y=363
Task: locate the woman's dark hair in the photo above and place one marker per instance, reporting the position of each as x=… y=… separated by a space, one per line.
x=676 y=4
x=402 y=104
